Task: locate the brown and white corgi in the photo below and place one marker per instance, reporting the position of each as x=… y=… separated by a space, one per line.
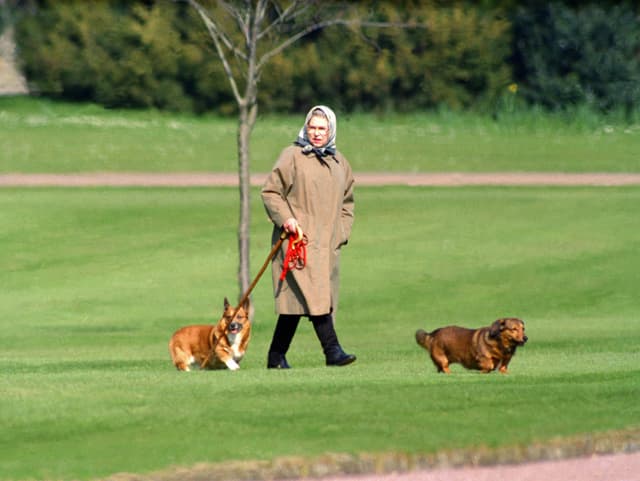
x=218 y=346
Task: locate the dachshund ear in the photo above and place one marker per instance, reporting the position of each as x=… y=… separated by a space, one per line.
x=496 y=327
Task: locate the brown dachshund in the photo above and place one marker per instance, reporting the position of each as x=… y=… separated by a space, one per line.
x=487 y=349
x=218 y=346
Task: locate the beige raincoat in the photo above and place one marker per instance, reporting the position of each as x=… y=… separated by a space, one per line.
x=318 y=193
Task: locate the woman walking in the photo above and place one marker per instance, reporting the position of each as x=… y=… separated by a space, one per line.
x=310 y=188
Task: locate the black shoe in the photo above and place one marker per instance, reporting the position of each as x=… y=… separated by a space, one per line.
x=326 y=333
x=277 y=361
x=340 y=358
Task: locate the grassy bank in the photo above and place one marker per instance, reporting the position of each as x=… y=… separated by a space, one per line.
x=43 y=136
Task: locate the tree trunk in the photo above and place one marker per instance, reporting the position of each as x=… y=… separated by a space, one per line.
x=244 y=131
x=248 y=107
x=247 y=118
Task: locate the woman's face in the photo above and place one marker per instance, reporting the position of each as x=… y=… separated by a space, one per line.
x=318 y=131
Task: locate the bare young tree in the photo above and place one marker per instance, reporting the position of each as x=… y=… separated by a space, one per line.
x=247 y=34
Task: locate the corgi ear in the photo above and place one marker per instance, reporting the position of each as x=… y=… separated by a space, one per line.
x=246 y=305
x=226 y=303
x=496 y=327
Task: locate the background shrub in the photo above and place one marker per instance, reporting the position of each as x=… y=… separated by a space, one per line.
x=464 y=56
x=158 y=54
x=589 y=54
x=457 y=60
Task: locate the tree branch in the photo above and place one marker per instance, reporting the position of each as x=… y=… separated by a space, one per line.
x=236 y=14
x=213 y=27
x=288 y=13
x=215 y=35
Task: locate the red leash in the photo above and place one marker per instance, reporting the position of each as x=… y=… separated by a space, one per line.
x=273 y=252
x=296 y=256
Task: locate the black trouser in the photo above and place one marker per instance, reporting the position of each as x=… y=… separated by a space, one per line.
x=283 y=333
x=286 y=328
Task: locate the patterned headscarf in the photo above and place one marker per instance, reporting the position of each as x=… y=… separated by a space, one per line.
x=303 y=139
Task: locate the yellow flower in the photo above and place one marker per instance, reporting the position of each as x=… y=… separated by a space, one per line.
x=513 y=88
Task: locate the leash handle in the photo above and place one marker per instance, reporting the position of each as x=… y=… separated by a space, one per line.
x=300 y=236
x=296 y=255
x=275 y=248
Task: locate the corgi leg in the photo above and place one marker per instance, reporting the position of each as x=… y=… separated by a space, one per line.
x=232 y=365
x=182 y=360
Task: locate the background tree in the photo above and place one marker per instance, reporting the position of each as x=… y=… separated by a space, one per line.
x=247 y=35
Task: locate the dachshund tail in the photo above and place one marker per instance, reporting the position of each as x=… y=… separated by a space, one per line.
x=423 y=338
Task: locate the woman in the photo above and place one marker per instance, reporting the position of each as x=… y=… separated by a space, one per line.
x=310 y=188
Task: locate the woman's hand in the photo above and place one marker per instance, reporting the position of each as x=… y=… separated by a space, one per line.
x=290 y=226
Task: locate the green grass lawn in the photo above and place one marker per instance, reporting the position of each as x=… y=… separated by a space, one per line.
x=43 y=136
x=94 y=282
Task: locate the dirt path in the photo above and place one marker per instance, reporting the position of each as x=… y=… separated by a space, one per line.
x=200 y=179
x=620 y=467
x=552 y=462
